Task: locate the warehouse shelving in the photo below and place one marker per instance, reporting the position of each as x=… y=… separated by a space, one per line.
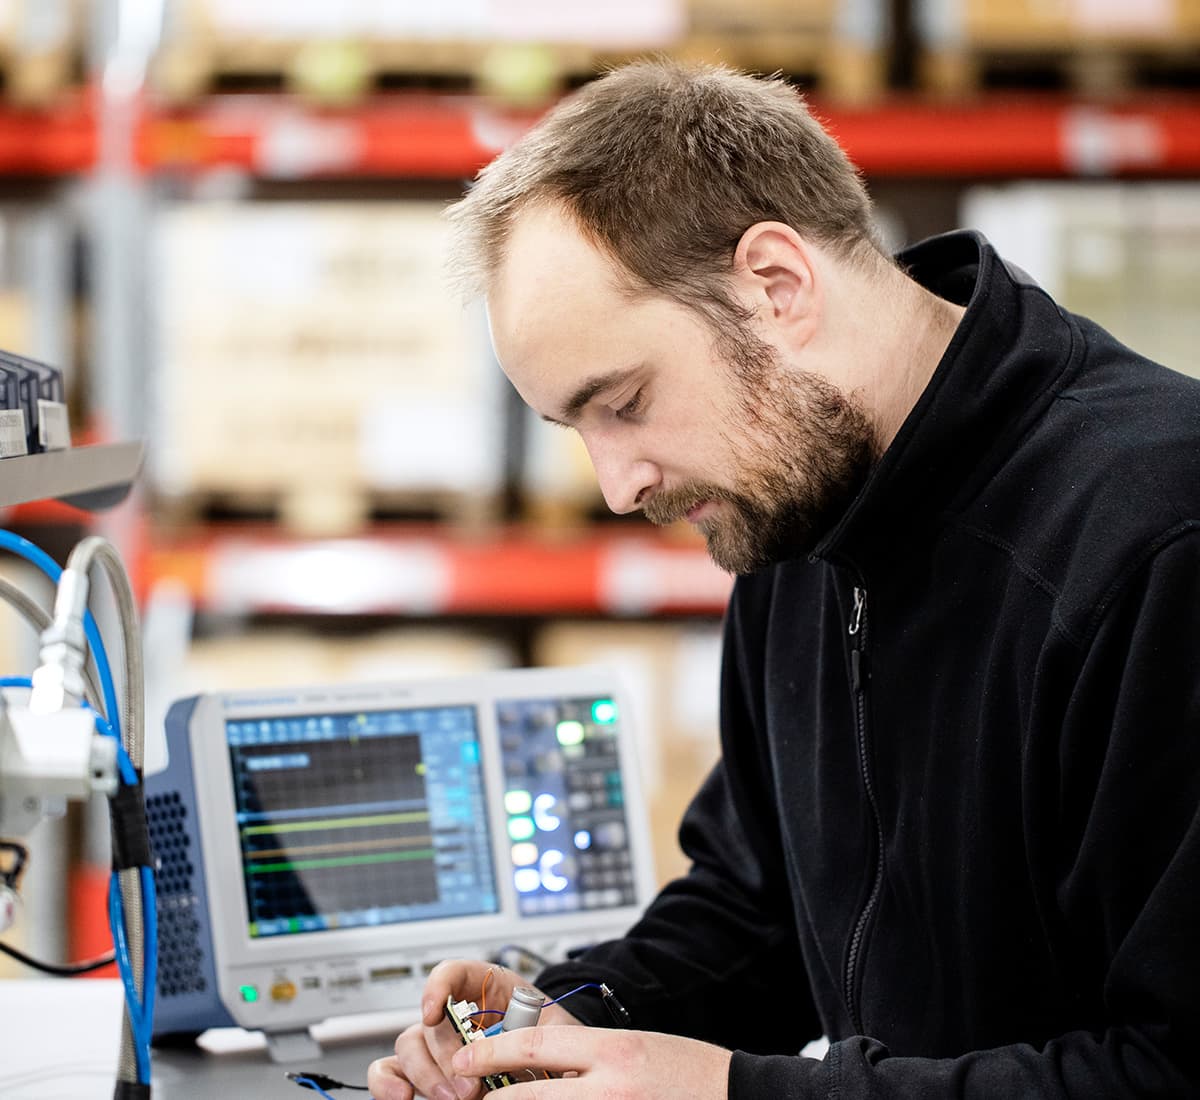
x=417 y=571
x=427 y=571
x=56 y=140
x=451 y=137
x=95 y=477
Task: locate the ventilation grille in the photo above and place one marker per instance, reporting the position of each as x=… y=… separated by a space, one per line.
x=180 y=955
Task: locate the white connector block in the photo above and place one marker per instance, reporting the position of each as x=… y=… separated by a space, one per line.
x=46 y=759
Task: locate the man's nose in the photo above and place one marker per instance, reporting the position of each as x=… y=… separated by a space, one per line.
x=624 y=480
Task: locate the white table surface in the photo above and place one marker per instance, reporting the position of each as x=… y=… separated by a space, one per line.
x=59 y=1041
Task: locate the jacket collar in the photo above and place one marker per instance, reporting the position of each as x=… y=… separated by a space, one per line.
x=1002 y=365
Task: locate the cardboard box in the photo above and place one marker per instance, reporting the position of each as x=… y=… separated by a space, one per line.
x=1126 y=255
x=318 y=341
x=1059 y=24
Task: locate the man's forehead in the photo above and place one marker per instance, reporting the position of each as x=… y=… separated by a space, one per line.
x=547 y=255
x=552 y=284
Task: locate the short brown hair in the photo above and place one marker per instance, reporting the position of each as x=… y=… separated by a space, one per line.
x=665 y=166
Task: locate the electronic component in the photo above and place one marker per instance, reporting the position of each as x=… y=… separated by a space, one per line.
x=459 y=1014
x=524 y=1008
x=37 y=391
x=322 y=849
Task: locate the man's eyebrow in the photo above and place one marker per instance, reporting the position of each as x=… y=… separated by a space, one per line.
x=575 y=404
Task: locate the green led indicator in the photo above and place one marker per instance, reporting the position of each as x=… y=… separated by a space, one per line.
x=518 y=802
x=604 y=712
x=569 y=733
x=249 y=993
x=521 y=828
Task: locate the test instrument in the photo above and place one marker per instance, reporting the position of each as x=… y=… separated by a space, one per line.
x=320 y=850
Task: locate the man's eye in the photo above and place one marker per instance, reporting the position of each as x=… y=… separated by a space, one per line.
x=631 y=407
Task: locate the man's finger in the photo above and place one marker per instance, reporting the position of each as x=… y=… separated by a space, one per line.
x=385 y=1081
x=414 y=1062
x=555 y=1049
x=456 y=978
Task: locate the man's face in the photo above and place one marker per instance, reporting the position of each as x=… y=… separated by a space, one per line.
x=679 y=422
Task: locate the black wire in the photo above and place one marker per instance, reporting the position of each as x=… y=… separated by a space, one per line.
x=68 y=970
x=20 y=854
x=541 y=960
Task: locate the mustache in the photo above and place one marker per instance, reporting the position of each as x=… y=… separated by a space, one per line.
x=668 y=506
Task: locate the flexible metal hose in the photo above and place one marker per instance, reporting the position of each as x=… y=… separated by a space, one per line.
x=85 y=554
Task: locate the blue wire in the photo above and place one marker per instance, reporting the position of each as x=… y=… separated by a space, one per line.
x=150 y=985
x=309 y=1083
x=15 y=682
x=578 y=989
x=32 y=553
x=137 y=1022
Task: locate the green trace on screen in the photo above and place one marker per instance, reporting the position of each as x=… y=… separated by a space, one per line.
x=335 y=823
x=604 y=712
x=341 y=861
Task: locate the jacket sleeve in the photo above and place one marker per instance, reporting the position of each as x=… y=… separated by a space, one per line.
x=713 y=950
x=1127 y=886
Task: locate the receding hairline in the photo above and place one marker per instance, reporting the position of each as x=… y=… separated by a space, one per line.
x=865 y=255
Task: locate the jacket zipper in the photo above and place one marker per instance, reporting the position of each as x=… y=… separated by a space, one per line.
x=858 y=636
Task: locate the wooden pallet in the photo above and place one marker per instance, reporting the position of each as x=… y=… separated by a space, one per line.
x=38 y=78
x=1095 y=71
x=836 y=70
x=347 y=72
x=986 y=43
x=330 y=510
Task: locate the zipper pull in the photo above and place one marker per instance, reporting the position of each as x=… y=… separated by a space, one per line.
x=856 y=653
x=856 y=615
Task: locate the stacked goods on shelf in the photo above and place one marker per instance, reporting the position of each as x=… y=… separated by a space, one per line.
x=671 y=674
x=1126 y=255
x=1096 y=45
x=41 y=46
x=313 y=359
x=16 y=309
x=838 y=43
x=35 y=322
x=279 y=657
x=521 y=49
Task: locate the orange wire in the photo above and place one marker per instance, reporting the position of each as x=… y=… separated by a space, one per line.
x=483 y=992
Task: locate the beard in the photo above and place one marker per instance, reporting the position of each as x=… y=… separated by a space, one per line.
x=803 y=450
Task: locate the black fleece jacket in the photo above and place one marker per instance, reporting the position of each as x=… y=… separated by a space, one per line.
x=955 y=827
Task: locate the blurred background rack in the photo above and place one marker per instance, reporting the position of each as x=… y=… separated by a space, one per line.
x=222 y=220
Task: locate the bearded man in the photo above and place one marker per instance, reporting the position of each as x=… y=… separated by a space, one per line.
x=954 y=828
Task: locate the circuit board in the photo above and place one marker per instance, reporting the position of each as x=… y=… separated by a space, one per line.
x=459 y=1014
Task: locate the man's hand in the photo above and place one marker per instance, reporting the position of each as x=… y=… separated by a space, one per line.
x=421 y=1063
x=631 y=1065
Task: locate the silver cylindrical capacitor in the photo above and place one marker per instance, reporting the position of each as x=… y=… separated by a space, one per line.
x=524 y=1008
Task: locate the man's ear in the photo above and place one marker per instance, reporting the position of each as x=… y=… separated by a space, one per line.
x=775 y=266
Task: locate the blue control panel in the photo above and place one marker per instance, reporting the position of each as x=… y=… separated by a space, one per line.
x=564 y=802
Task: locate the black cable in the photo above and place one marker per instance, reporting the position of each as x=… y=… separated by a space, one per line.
x=533 y=956
x=67 y=970
x=11 y=875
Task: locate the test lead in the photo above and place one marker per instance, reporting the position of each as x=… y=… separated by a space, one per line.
x=616 y=1010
